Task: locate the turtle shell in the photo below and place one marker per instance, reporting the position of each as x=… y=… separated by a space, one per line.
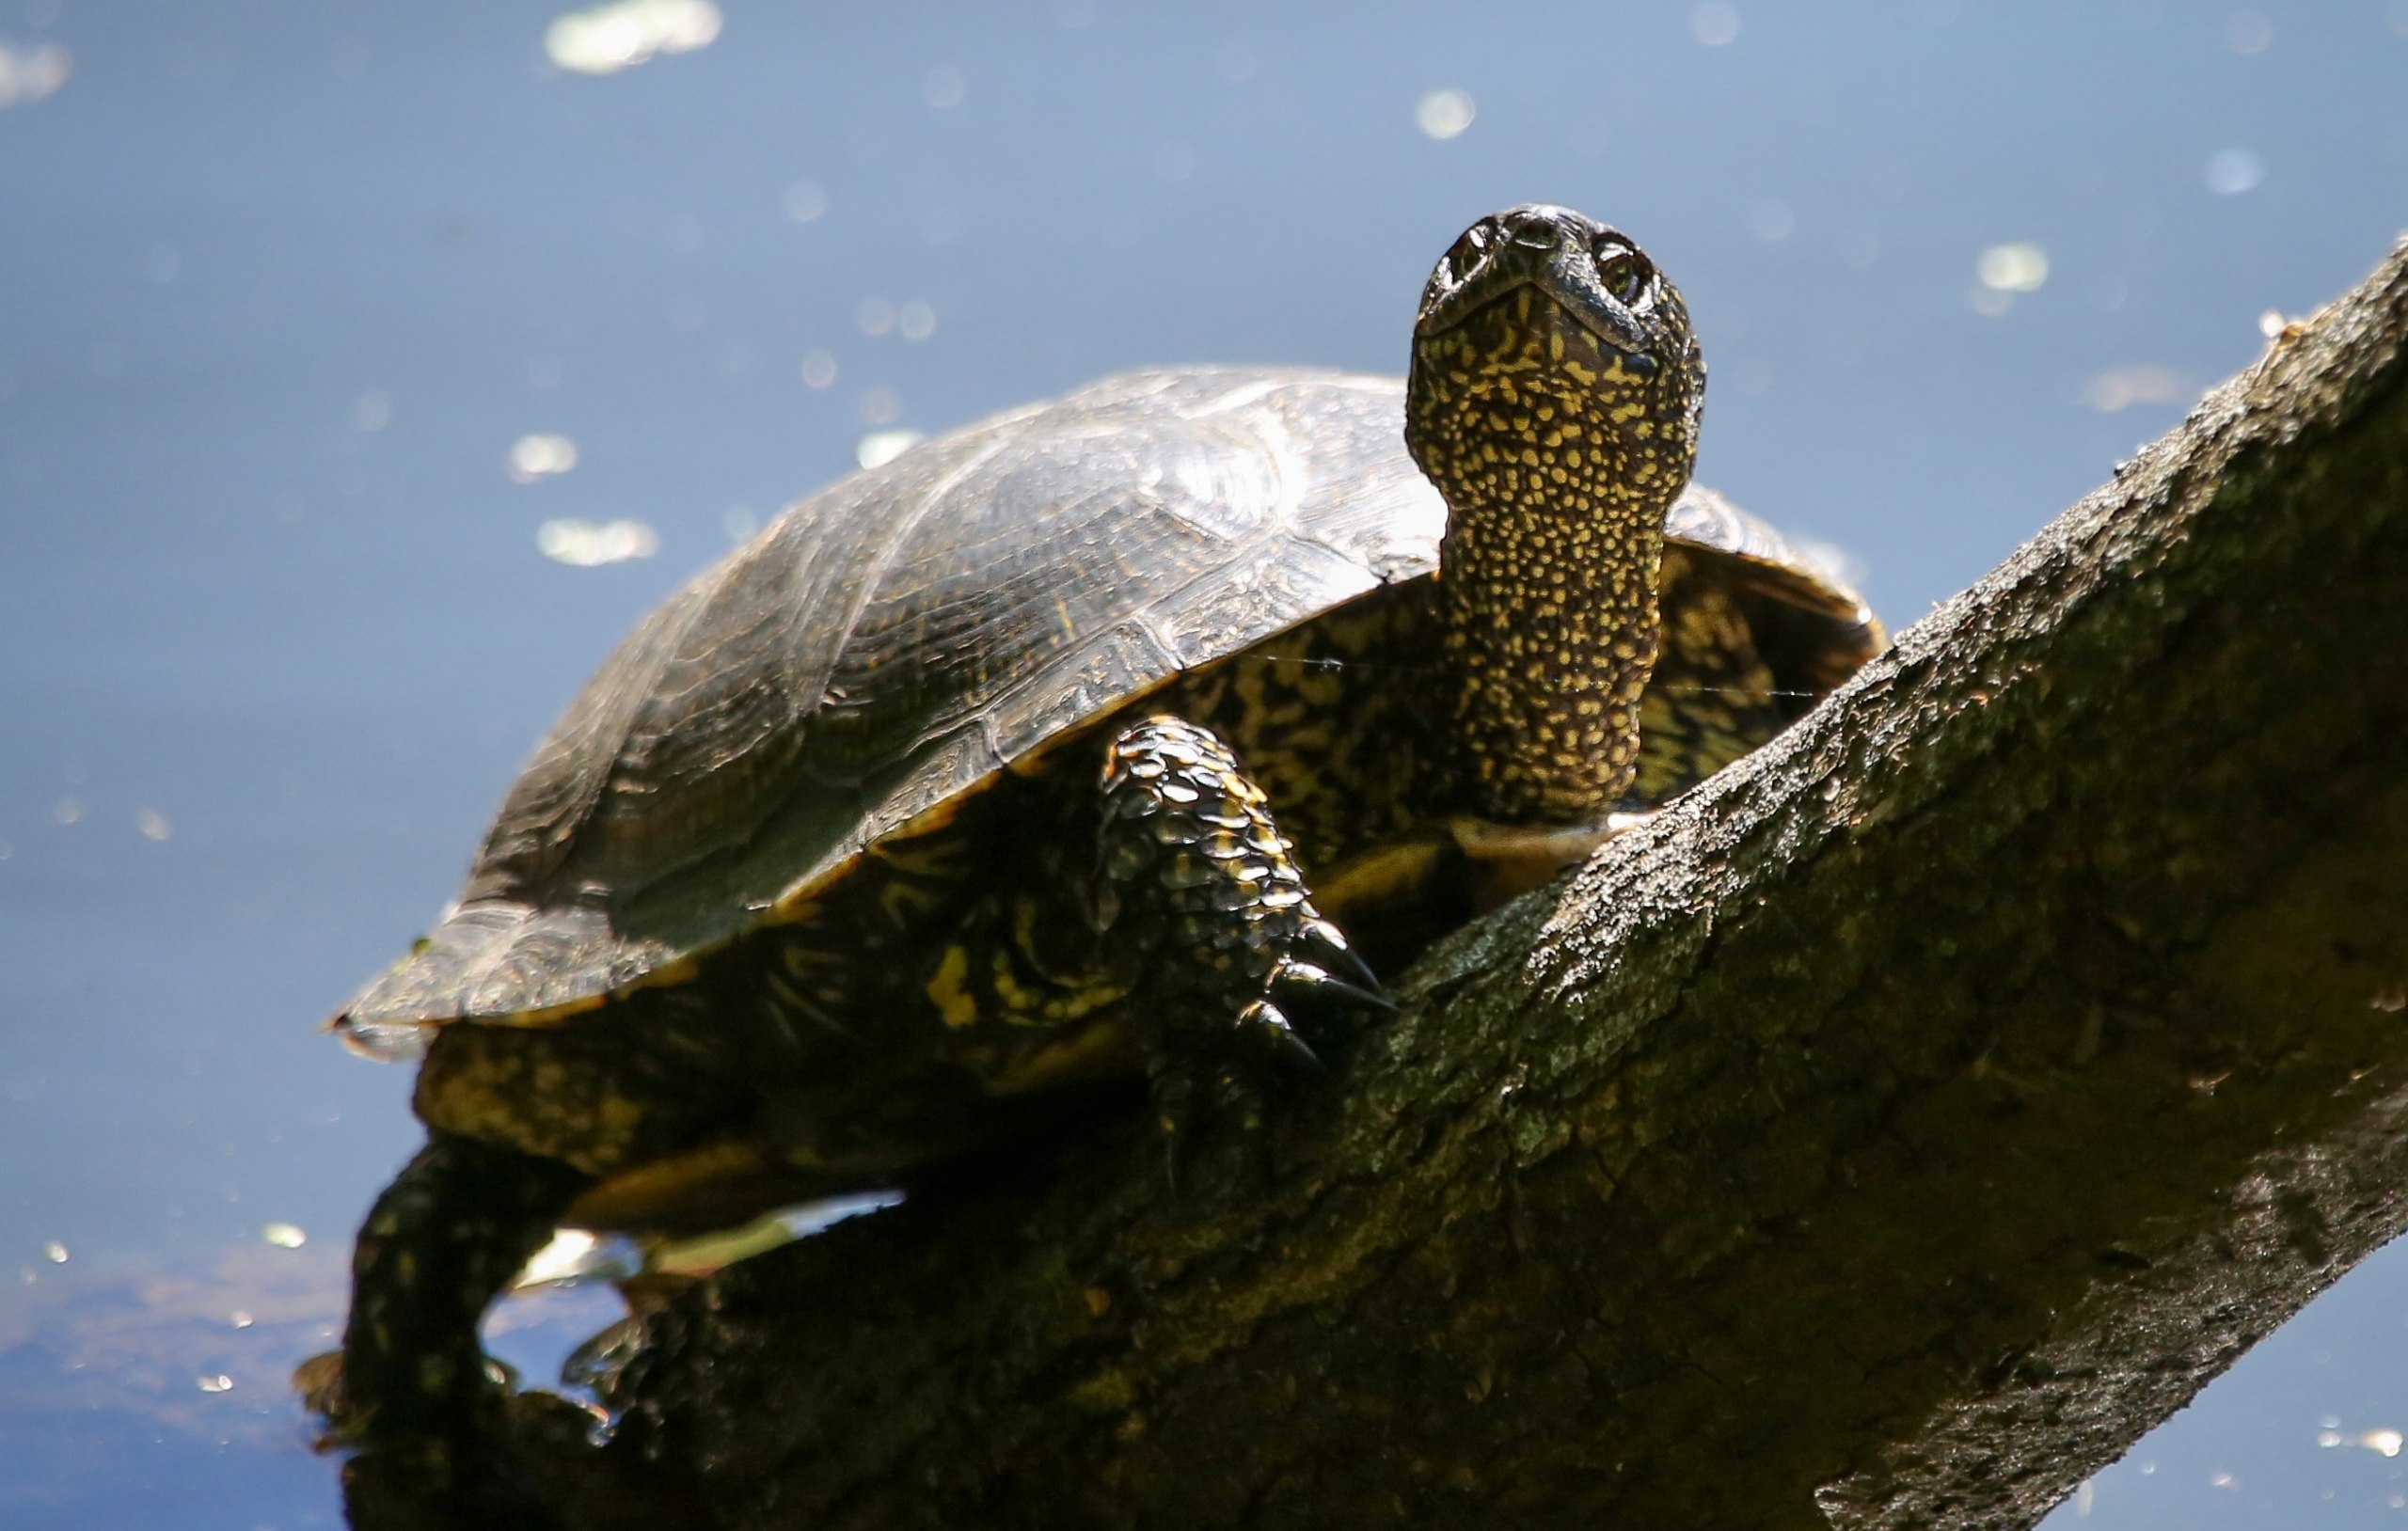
x=894 y=642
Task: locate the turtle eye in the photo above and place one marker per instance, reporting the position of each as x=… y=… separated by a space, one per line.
x=1623 y=270
x=1467 y=250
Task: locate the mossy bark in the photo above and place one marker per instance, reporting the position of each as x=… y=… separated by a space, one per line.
x=1890 y=1131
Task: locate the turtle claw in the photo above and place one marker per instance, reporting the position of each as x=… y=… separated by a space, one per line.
x=1331 y=949
x=1308 y=978
x=1266 y=1026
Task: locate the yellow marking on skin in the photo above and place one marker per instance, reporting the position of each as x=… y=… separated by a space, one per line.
x=550 y=1015
x=818 y=1008
x=1097 y=1051
x=902 y=898
x=1019 y=1003
x=653 y=1191
x=1024 y=930
x=1080 y=1003
x=1381 y=877
x=948 y=990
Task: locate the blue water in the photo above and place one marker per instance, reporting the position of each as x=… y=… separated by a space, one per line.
x=285 y=284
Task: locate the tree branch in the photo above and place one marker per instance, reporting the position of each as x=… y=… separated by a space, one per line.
x=1894 y=1128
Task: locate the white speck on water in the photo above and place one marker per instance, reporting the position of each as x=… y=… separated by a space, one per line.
x=220 y=1383
x=943 y=89
x=589 y=544
x=284 y=1235
x=2121 y=388
x=879 y=448
x=2013 y=268
x=2233 y=171
x=1715 y=23
x=607 y=39
x=28 y=74
x=806 y=203
x=1444 y=114
x=543 y=456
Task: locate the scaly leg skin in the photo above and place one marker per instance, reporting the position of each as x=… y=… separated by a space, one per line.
x=437 y=1247
x=1207 y=906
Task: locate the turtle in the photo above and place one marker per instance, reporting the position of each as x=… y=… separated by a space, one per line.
x=998 y=770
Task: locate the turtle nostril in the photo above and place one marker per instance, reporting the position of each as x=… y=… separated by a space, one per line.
x=1533 y=231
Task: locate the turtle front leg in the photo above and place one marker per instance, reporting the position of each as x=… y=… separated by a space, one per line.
x=1207 y=906
x=454 y=1226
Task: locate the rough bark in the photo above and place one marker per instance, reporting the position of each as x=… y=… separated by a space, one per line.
x=1891 y=1131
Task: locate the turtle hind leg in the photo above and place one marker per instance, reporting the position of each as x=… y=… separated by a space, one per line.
x=439 y=1244
x=1208 y=907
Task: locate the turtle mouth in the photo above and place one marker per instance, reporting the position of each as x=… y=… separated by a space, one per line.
x=1594 y=275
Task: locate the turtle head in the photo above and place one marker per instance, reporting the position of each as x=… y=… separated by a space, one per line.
x=1539 y=318
x=1554 y=401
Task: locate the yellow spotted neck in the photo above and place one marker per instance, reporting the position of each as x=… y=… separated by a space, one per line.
x=1557 y=459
